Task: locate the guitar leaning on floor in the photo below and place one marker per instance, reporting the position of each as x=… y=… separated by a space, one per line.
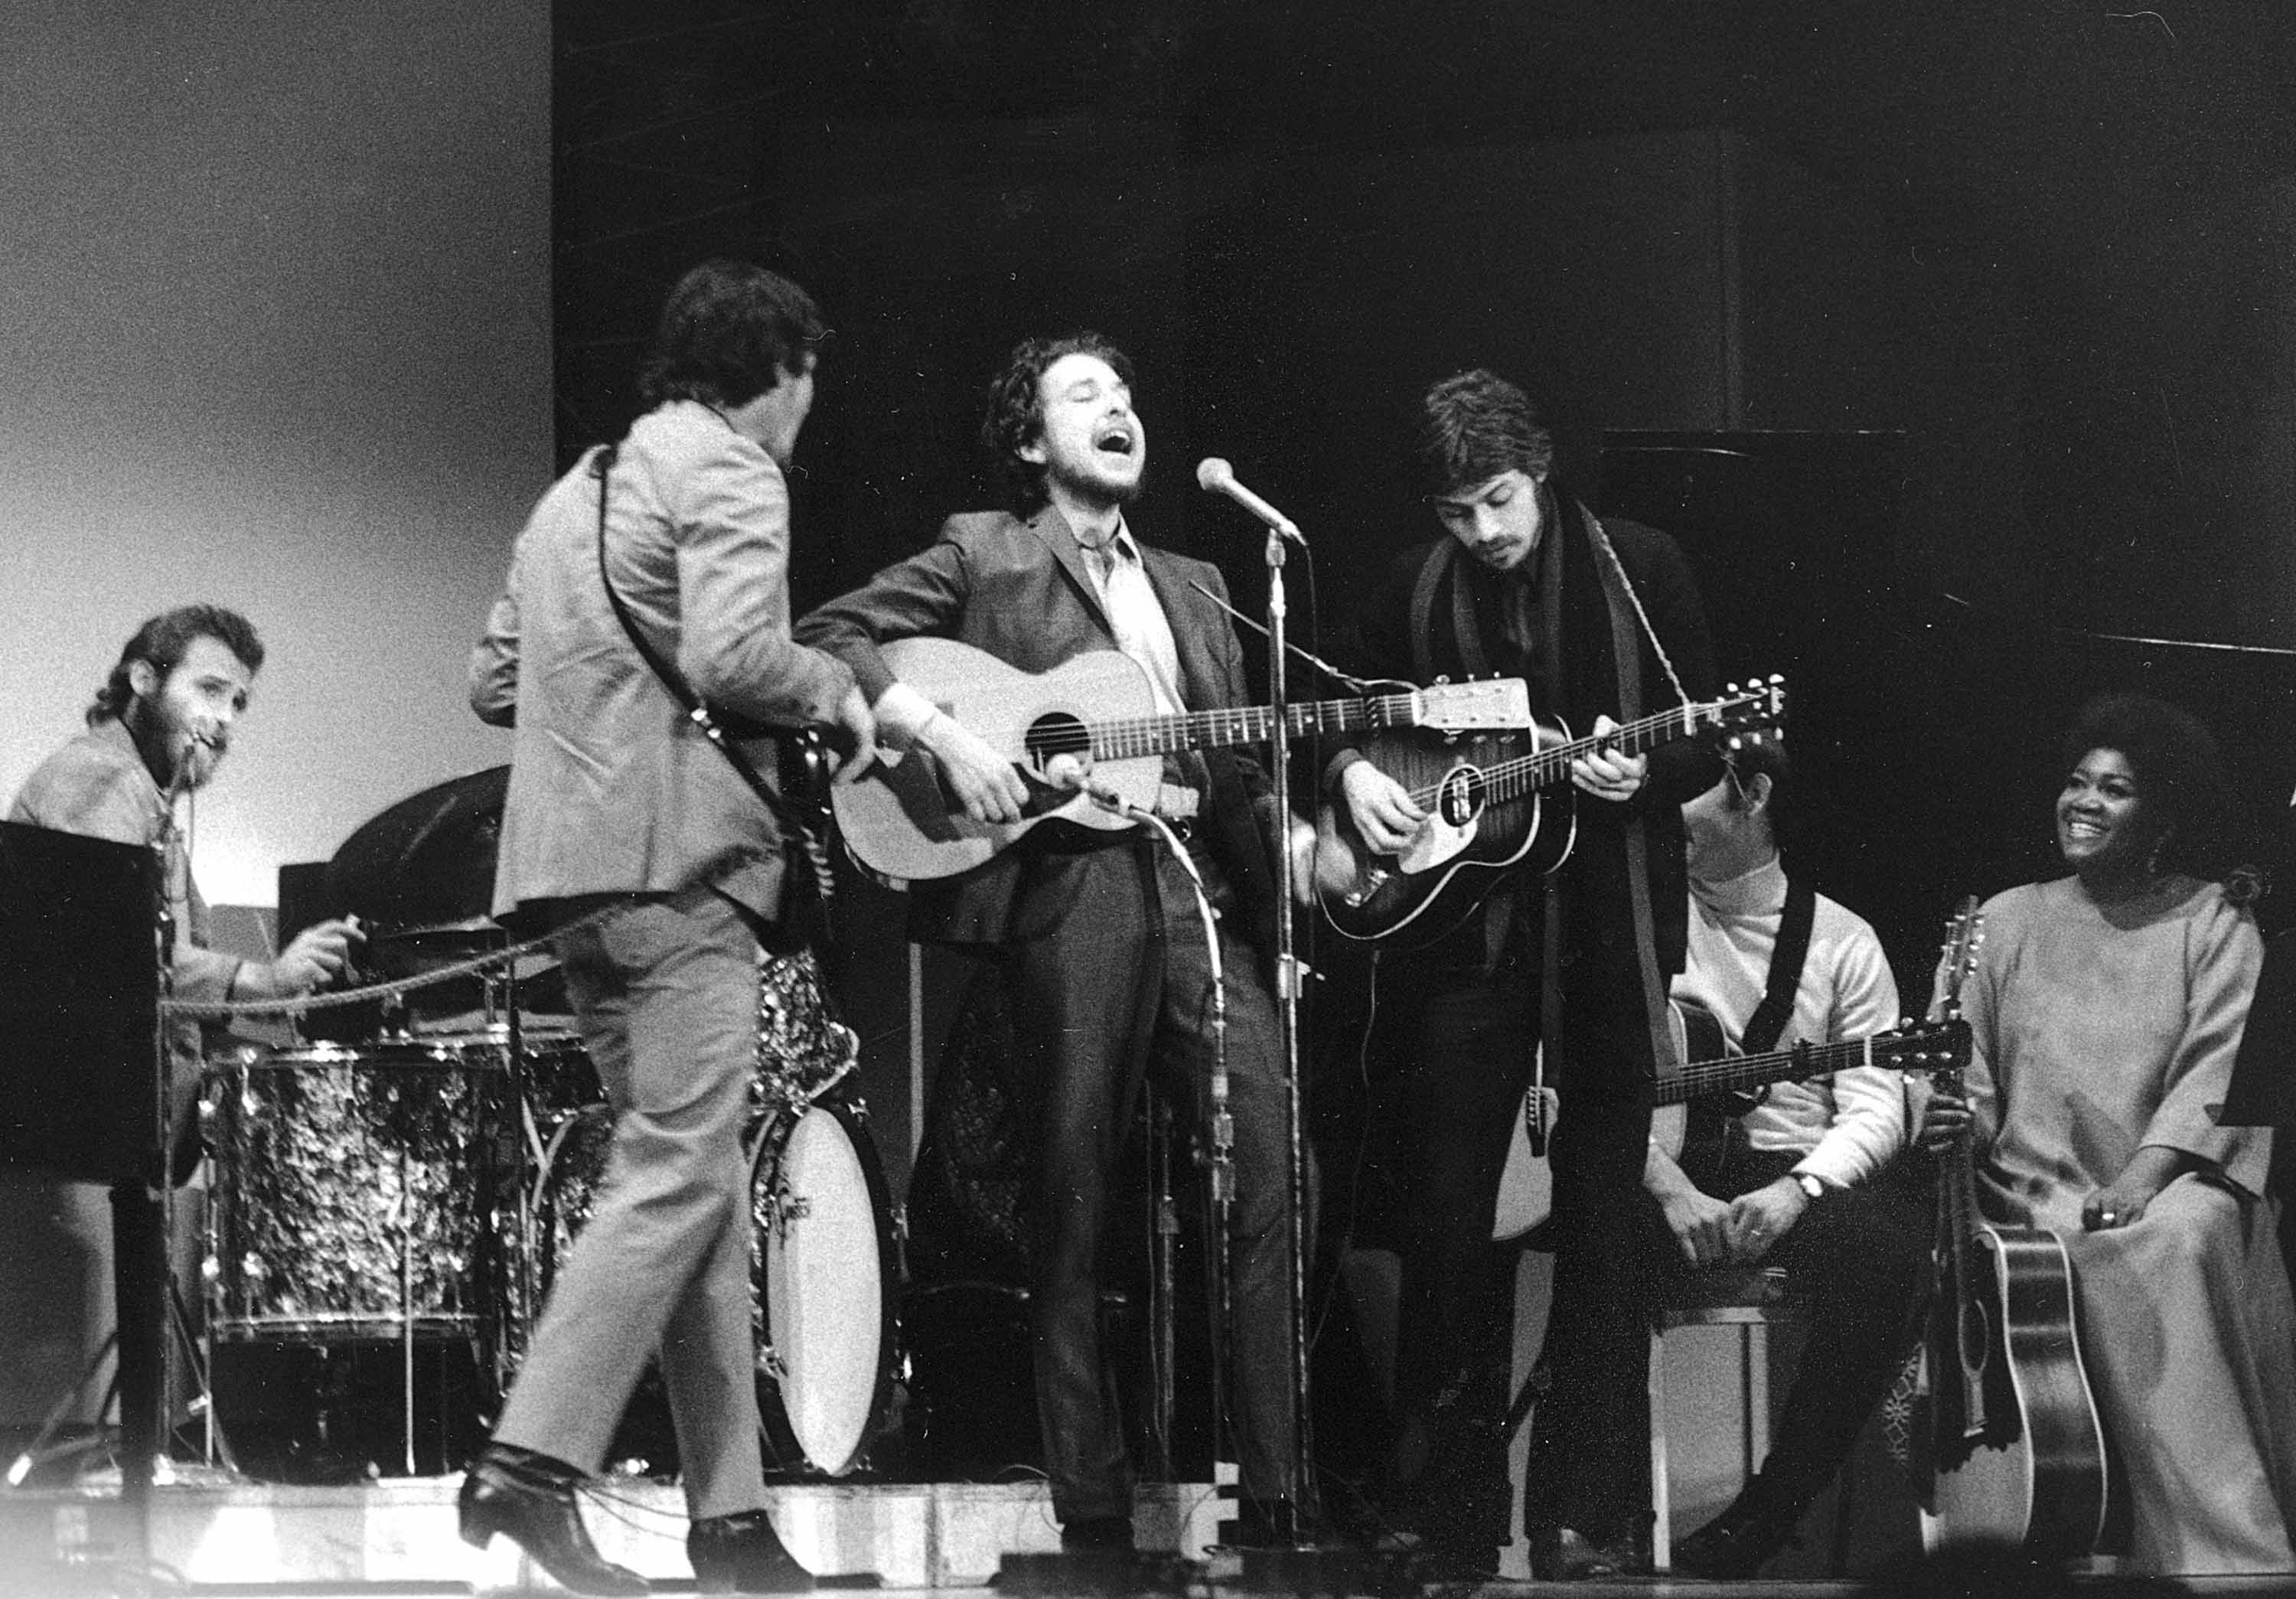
x=2014 y=1454
x=1494 y=803
x=1710 y=1070
x=901 y=823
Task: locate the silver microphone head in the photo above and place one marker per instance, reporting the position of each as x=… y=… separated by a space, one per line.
x=1214 y=474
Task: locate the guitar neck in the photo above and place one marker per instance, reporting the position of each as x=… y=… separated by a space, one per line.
x=1550 y=767
x=1698 y=1079
x=1135 y=736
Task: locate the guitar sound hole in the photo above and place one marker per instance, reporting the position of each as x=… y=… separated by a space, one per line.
x=1059 y=733
x=1460 y=800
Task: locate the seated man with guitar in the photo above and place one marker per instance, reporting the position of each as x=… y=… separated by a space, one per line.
x=1603 y=620
x=1775 y=966
x=1108 y=971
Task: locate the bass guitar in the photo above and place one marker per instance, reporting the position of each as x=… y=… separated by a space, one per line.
x=901 y=824
x=2012 y=1451
x=1710 y=1070
x=1487 y=802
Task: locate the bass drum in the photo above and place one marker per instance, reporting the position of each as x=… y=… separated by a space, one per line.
x=822 y=1273
x=825 y=1269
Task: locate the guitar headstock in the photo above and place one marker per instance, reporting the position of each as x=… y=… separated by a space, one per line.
x=1930 y=1047
x=1747 y=715
x=1958 y=958
x=1492 y=702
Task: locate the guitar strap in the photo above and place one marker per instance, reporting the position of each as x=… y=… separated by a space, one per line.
x=1768 y=1023
x=1626 y=647
x=798 y=833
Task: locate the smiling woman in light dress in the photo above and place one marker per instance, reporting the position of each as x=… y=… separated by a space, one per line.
x=2106 y=1008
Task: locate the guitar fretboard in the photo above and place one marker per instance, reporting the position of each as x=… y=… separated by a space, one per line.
x=1545 y=768
x=1126 y=737
x=1698 y=1078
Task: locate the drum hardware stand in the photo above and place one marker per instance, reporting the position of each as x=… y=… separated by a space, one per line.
x=215 y=1447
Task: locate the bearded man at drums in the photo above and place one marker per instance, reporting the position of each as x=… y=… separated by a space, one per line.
x=626 y=829
x=161 y=725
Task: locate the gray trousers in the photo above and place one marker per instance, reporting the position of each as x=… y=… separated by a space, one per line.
x=667 y=992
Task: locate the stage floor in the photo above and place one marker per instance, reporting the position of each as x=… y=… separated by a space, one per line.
x=397 y=1537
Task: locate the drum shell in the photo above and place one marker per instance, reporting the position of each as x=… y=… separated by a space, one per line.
x=824 y=1273
x=353 y=1192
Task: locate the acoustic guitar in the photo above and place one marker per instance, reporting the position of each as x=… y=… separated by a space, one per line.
x=901 y=824
x=1494 y=803
x=1711 y=1071
x=2010 y=1448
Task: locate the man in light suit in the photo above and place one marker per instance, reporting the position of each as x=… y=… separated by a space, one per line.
x=617 y=802
x=1107 y=974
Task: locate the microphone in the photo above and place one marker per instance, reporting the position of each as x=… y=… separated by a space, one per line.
x=1216 y=476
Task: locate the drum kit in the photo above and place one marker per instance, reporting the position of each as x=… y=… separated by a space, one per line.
x=421 y=1188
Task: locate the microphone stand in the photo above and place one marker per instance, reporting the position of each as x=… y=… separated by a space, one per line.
x=1287 y=1036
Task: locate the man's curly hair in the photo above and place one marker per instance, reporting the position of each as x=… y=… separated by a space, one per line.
x=1014 y=416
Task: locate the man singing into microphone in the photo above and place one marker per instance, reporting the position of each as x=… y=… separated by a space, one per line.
x=1106 y=968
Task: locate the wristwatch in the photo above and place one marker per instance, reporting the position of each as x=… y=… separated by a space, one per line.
x=1812 y=1185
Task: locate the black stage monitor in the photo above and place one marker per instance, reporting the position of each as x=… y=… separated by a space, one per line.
x=79 y=997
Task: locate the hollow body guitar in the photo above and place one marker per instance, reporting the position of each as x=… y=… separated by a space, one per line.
x=2012 y=1448
x=1496 y=802
x=901 y=824
x=1713 y=1073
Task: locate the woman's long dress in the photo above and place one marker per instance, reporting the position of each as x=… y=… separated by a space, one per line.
x=2098 y=1031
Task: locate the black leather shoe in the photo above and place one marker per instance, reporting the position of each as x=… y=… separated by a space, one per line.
x=529 y=1499
x=741 y=1554
x=1566 y=1554
x=1741 y=1540
x=1097 y=1532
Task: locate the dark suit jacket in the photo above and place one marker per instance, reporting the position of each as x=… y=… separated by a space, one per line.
x=1019 y=590
x=1601 y=979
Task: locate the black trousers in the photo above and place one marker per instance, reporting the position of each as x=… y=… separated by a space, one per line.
x=1471 y=1056
x=1123 y=986
x=1857 y=1258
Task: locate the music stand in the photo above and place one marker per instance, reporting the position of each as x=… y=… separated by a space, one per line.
x=81 y=1084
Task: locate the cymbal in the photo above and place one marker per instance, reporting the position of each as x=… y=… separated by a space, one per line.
x=427 y=862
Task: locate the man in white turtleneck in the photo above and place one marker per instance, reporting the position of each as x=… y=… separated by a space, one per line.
x=1790 y=1183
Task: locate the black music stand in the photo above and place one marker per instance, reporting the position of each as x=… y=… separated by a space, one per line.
x=81 y=1081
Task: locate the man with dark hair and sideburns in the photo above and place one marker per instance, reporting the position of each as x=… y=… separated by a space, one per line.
x=1106 y=974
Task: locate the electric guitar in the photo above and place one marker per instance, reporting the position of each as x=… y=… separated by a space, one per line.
x=2013 y=1451
x=900 y=822
x=1709 y=1069
x=1485 y=800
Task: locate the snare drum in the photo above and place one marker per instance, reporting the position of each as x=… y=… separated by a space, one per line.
x=351 y=1190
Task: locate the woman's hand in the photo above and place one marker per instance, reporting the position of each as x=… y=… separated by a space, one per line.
x=2122 y=1202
